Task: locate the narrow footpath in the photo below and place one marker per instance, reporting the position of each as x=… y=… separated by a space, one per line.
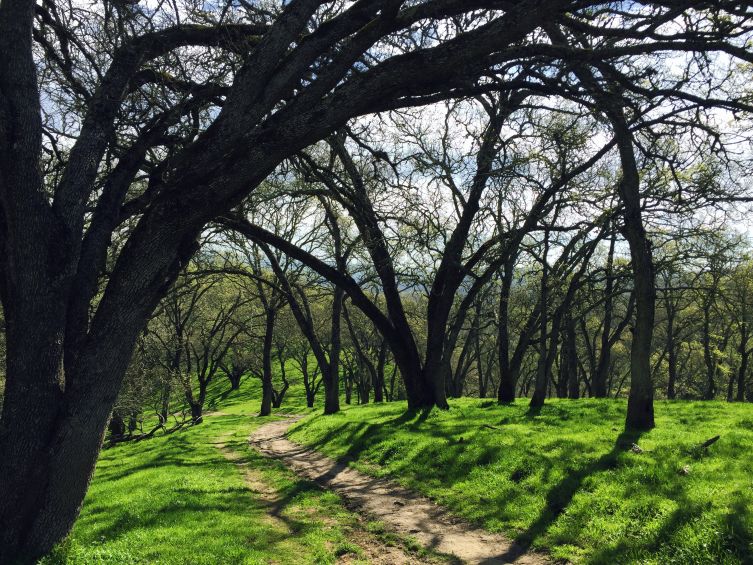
x=401 y=510
x=371 y=547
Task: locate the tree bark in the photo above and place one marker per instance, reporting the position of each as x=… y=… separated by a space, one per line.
x=508 y=379
x=571 y=358
x=742 y=371
x=671 y=350
x=640 y=412
x=599 y=379
x=266 y=375
x=540 y=385
x=708 y=356
x=332 y=376
x=379 y=380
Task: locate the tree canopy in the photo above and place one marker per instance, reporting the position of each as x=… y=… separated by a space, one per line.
x=438 y=140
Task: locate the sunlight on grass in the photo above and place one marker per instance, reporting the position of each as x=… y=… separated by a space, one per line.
x=565 y=479
x=176 y=499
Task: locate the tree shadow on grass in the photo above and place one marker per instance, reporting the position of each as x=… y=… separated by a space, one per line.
x=194 y=503
x=359 y=436
x=175 y=450
x=684 y=514
x=559 y=497
x=739 y=530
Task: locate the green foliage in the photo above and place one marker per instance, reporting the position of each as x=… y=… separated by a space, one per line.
x=564 y=479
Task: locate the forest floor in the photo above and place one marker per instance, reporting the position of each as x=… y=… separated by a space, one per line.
x=401 y=510
x=203 y=496
x=564 y=481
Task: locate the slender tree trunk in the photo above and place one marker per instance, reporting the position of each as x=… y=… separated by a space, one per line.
x=308 y=383
x=731 y=385
x=456 y=380
x=540 y=386
x=742 y=371
x=379 y=381
x=708 y=355
x=599 y=379
x=671 y=353
x=573 y=383
x=348 y=384
x=278 y=397
x=568 y=386
x=640 y=412
x=482 y=383
x=394 y=392
x=507 y=377
x=266 y=376
x=332 y=376
x=164 y=410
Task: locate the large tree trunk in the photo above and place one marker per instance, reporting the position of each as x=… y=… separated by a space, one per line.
x=55 y=411
x=234 y=375
x=197 y=410
x=432 y=376
x=418 y=394
x=50 y=438
x=116 y=426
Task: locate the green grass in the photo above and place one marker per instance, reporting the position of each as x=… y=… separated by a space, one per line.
x=176 y=499
x=564 y=479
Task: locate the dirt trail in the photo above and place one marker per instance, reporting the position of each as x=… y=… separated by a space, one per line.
x=399 y=509
x=373 y=549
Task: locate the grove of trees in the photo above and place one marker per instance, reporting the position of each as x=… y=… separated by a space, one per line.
x=387 y=200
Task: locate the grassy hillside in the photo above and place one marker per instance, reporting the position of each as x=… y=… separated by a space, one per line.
x=565 y=479
x=197 y=496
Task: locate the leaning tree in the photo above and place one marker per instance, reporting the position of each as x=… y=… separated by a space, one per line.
x=125 y=129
